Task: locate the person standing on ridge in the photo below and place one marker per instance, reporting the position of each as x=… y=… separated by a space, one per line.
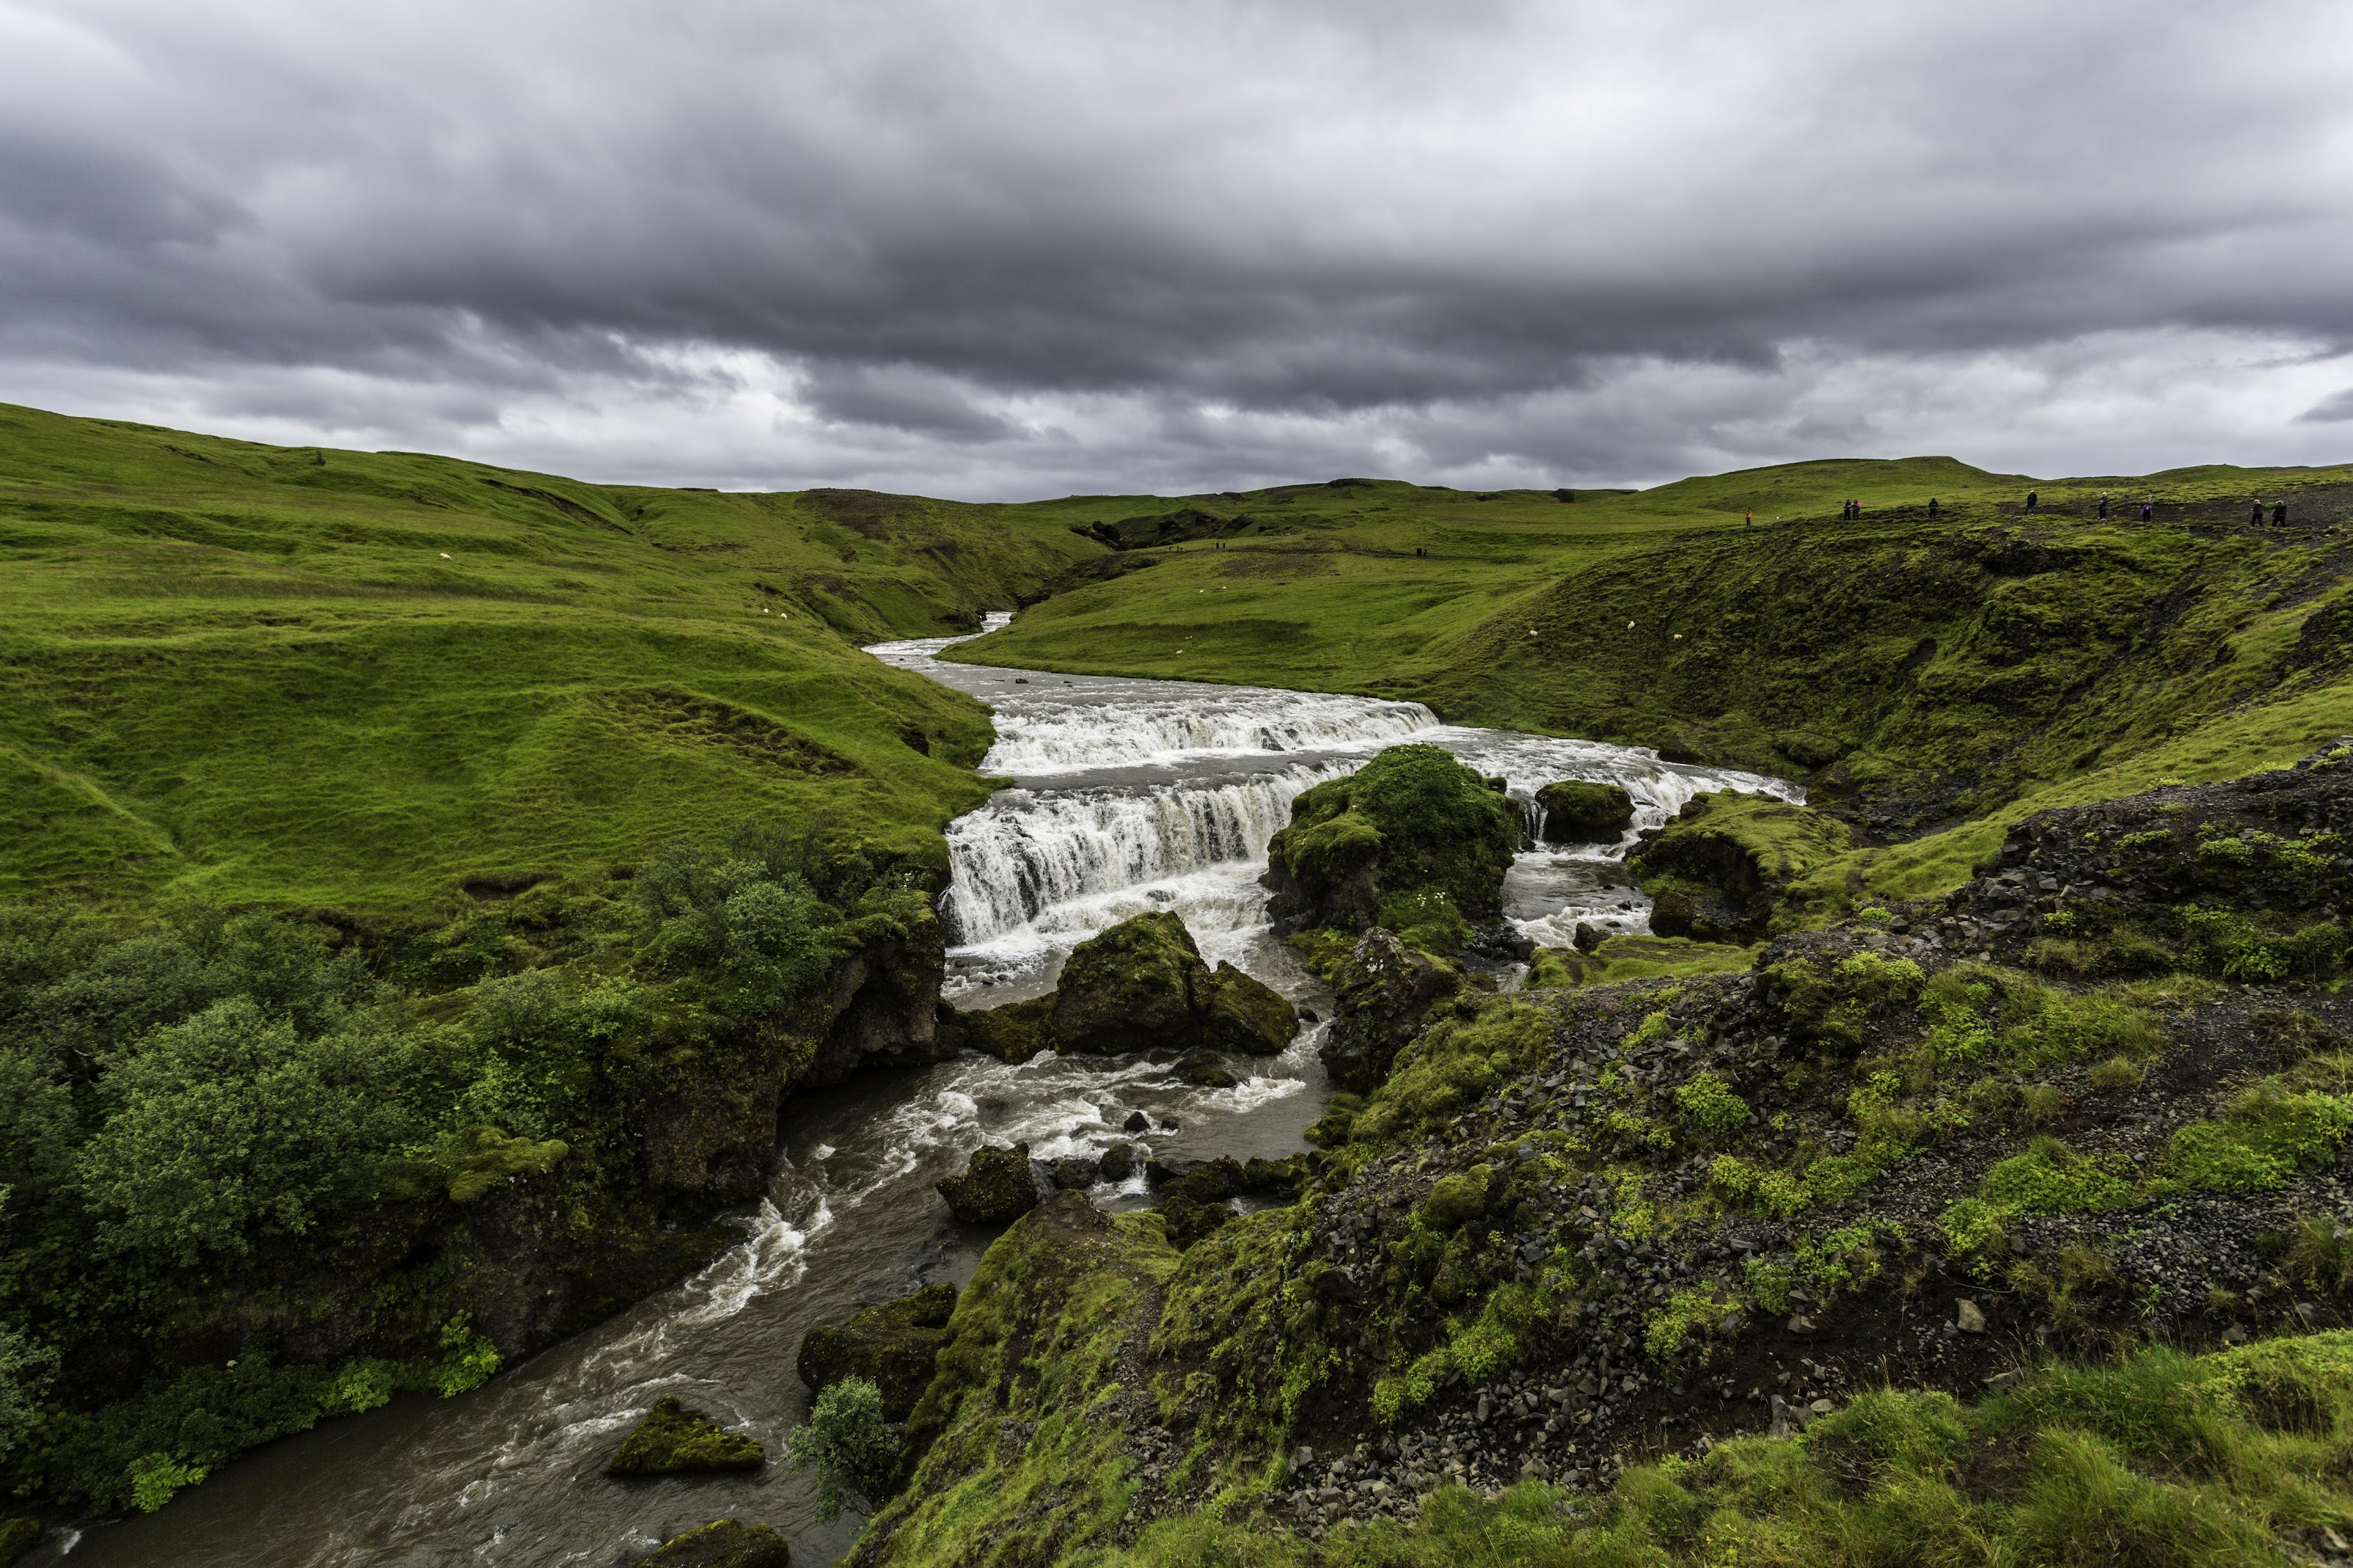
x=2031 y=499
x=2103 y=503
x=2255 y=518
x=2279 y=514
x=1932 y=507
x=1750 y=520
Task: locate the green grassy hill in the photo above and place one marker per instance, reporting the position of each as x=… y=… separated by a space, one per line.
x=299 y=677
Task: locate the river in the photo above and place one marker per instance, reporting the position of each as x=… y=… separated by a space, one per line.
x=1128 y=796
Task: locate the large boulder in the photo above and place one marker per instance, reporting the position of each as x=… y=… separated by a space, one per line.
x=1142 y=986
x=723 y=1543
x=892 y=1345
x=1012 y=1032
x=1577 y=811
x=1384 y=989
x=674 y=1440
x=1412 y=830
x=995 y=1189
x=1719 y=870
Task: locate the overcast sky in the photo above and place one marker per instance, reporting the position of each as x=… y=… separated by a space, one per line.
x=1001 y=248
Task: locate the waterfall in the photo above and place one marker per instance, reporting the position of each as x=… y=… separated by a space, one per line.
x=1028 y=850
x=1035 y=737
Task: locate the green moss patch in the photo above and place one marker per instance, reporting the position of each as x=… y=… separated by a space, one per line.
x=1412 y=836
x=674 y=1440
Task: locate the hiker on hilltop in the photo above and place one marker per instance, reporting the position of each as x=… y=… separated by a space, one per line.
x=2279 y=513
x=2149 y=509
x=2032 y=500
x=2257 y=517
x=2103 y=503
x=1932 y=507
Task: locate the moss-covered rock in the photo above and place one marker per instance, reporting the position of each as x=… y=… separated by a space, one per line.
x=892 y=1345
x=1413 y=820
x=674 y=1440
x=1716 y=872
x=995 y=1189
x=17 y=1536
x=1385 y=991
x=1578 y=811
x=1012 y=1032
x=1617 y=958
x=1204 y=1069
x=723 y=1543
x=1142 y=986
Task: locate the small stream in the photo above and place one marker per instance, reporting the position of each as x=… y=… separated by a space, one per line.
x=1128 y=795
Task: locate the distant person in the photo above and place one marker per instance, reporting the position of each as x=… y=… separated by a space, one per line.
x=2279 y=512
x=2103 y=503
x=2032 y=500
x=1750 y=521
x=2148 y=512
x=1932 y=506
x=2257 y=517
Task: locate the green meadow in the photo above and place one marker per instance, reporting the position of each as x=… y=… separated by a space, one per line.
x=304 y=677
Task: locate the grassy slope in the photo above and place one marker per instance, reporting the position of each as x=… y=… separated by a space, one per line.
x=1947 y=675
x=301 y=676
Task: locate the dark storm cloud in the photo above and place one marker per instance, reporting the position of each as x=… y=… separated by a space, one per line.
x=1015 y=246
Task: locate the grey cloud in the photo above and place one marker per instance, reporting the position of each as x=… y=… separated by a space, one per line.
x=2329 y=410
x=1010 y=245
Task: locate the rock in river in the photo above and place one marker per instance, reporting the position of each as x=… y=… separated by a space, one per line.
x=995 y=1187
x=723 y=1544
x=674 y=1440
x=891 y=1345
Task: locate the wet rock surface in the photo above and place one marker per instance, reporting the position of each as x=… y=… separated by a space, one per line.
x=1139 y=986
x=1411 y=823
x=1386 y=989
x=891 y=1344
x=1578 y=812
x=723 y=1543
x=997 y=1186
x=675 y=1440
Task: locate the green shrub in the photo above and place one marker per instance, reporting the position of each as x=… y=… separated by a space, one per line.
x=852 y=1450
x=2261 y=1141
x=1708 y=1103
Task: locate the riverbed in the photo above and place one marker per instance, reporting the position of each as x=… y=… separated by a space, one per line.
x=1125 y=796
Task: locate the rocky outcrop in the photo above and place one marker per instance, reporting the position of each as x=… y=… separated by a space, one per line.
x=1385 y=991
x=996 y=1188
x=1139 y=986
x=2249 y=880
x=723 y=1543
x=1142 y=986
x=892 y=1345
x=674 y=1440
x=1719 y=870
x=1408 y=838
x=1577 y=811
x=710 y=1137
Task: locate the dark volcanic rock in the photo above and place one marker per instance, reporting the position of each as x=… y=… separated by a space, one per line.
x=1205 y=1069
x=1012 y=1032
x=995 y=1189
x=674 y=1440
x=1413 y=824
x=1577 y=812
x=1142 y=986
x=891 y=1345
x=1118 y=1162
x=1076 y=1170
x=1385 y=991
x=1716 y=871
x=722 y=1544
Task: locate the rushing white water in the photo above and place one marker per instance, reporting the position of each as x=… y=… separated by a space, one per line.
x=1134 y=794
x=1129 y=796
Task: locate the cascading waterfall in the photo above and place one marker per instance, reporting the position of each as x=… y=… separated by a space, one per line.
x=1028 y=850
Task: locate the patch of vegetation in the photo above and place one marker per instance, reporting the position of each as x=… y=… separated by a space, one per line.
x=1413 y=839
x=2163 y=1458
x=851 y=1446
